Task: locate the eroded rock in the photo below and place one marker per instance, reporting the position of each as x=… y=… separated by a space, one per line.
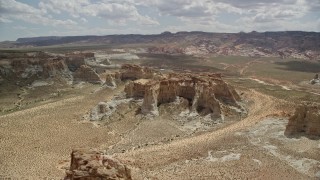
x=305 y=121
x=112 y=79
x=134 y=72
x=315 y=80
x=86 y=73
x=93 y=164
x=206 y=93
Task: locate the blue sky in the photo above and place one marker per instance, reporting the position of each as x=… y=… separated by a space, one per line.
x=31 y=18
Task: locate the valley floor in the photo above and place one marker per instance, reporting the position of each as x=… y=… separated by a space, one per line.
x=35 y=143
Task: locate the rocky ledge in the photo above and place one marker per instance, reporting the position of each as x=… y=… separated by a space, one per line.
x=92 y=164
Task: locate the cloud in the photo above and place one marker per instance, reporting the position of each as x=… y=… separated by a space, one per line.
x=4 y=20
x=118 y=12
x=11 y=9
x=74 y=17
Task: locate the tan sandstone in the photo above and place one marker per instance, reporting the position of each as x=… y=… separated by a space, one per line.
x=206 y=93
x=305 y=121
x=92 y=164
x=86 y=73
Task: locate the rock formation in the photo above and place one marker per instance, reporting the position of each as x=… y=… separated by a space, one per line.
x=305 y=121
x=134 y=72
x=93 y=165
x=86 y=73
x=40 y=65
x=74 y=62
x=315 y=80
x=56 y=67
x=206 y=93
x=112 y=79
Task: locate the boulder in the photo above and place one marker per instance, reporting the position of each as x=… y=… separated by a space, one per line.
x=93 y=164
x=315 y=80
x=305 y=121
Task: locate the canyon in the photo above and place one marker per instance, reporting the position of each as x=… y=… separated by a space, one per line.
x=159 y=113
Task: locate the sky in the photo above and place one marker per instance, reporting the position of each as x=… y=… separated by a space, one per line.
x=33 y=18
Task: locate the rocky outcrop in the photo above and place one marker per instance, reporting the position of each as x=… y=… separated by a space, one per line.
x=93 y=165
x=206 y=93
x=134 y=72
x=86 y=73
x=112 y=79
x=74 y=62
x=315 y=80
x=56 y=67
x=305 y=121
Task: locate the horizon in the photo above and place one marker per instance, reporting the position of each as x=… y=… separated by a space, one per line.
x=162 y=33
x=39 y=18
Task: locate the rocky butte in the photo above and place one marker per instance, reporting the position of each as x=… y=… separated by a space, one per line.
x=205 y=94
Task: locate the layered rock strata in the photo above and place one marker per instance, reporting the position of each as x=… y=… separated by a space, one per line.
x=305 y=121
x=40 y=65
x=134 y=72
x=206 y=93
x=93 y=164
x=86 y=73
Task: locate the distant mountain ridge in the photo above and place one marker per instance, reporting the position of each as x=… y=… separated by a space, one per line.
x=291 y=39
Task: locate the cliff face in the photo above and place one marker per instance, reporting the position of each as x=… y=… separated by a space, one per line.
x=45 y=68
x=93 y=164
x=40 y=65
x=112 y=79
x=205 y=93
x=86 y=73
x=305 y=121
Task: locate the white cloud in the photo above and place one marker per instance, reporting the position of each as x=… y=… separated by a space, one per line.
x=140 y=16
x=4 y=20
x=11 y=9
x=118 y=12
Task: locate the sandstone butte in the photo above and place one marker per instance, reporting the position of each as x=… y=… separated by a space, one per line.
x=305 y=121
x=206 y=93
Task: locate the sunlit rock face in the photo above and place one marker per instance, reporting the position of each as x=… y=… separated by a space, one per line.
x=206 y=93
x=305 y=121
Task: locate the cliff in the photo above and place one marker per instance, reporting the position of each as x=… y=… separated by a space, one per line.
x=305 y=121
x=86 y=73
x=206 y=93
